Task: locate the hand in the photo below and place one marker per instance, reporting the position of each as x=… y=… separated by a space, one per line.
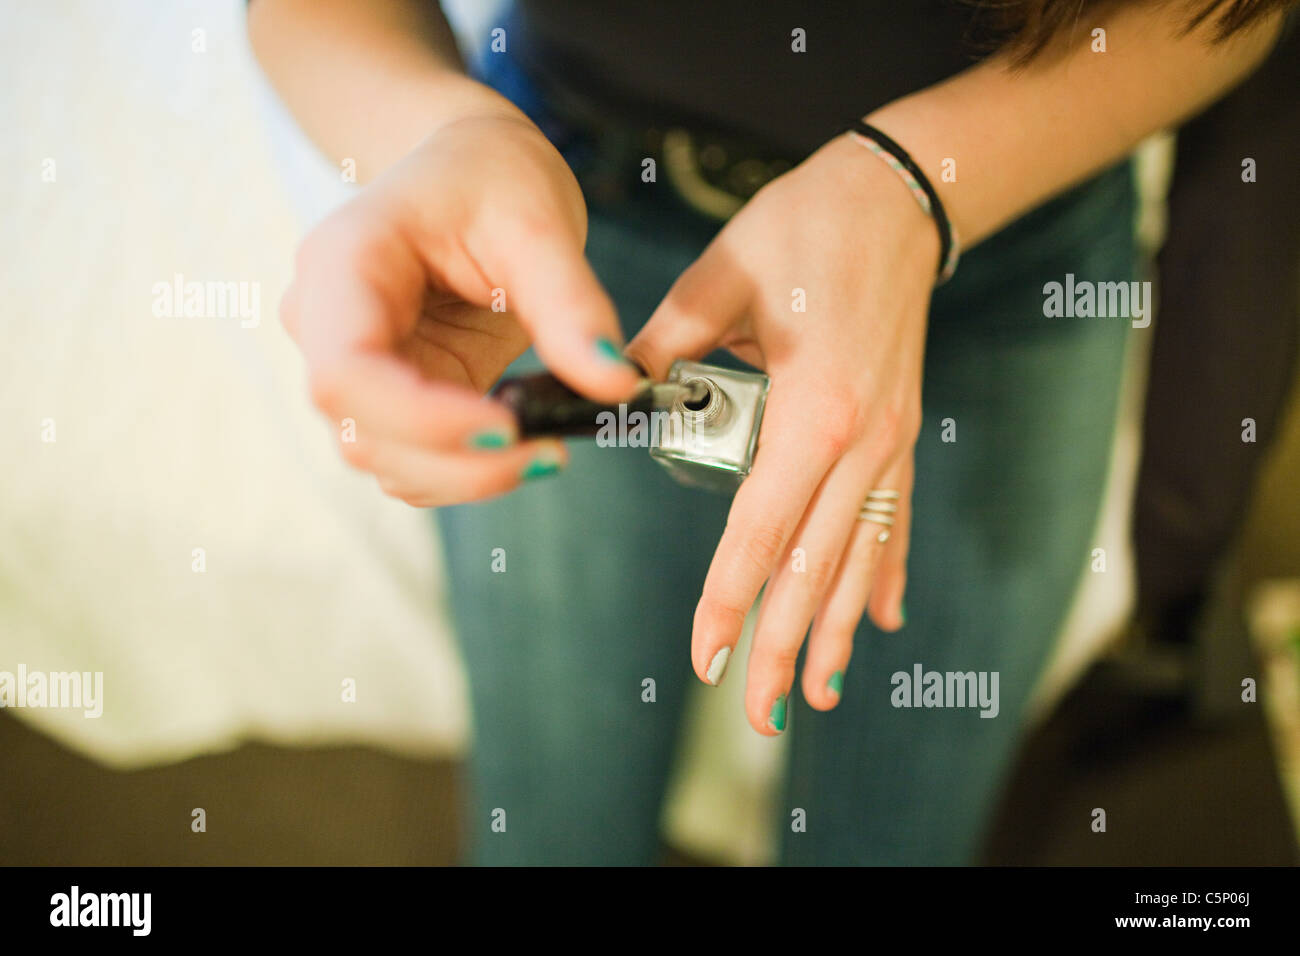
x=842 y=415
x=392 y=305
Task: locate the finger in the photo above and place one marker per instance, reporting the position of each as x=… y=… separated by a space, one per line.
x=792 y=459
x=830 y=643
x=888 y=590
x=797 y=588
x=388 y=399
x=357 y=288
x=427 y=479
x=556 y=296
x=702 y=304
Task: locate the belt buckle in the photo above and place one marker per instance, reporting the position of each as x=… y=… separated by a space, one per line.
x=709 y=176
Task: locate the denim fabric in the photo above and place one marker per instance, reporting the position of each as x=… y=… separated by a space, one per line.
x=1002 y=525
x=605 y=562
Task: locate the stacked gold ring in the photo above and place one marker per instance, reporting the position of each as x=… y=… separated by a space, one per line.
x=880 y=507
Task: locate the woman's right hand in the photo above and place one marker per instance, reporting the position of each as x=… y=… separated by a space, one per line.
x=410 y=301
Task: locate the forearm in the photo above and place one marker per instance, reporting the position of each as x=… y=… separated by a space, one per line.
x=367 y=81
x=1017 y=137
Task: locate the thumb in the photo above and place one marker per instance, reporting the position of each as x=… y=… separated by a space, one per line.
x=555 y=295
x=698 y=310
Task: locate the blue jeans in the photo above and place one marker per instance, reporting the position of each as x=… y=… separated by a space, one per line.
x=605 y=562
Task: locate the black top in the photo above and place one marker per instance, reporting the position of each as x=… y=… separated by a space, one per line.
x=730 y=63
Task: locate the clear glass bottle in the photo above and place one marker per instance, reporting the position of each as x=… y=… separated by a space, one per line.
x=708 y=441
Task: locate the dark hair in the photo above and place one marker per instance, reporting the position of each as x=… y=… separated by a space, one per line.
x=1026 y=27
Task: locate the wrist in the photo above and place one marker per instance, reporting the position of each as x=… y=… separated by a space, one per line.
x=886 y=205
x=454 y=97
x=923 y=124
x=416 y=112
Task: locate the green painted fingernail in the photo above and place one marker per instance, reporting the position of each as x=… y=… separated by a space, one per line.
x=902 y=613
x=836 y=683
x=776 y=719
x=492 y=438
x=540 y=468
x=608 y=350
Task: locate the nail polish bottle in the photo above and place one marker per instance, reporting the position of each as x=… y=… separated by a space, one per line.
x=705 y=418
x=712 y=427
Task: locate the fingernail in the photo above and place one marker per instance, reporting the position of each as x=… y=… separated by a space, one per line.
x=776 y=718
x=836 y=683
x=718 y=666
x=902 y=613
x=606 y=349
x=491 y=438
x=547 y=463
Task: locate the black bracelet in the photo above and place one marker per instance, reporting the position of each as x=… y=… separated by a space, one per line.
x=919 y=183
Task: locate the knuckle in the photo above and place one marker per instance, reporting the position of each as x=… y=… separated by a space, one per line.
x=359 y=454
x=763 y=545
x=338 y=242
x=520 y=219
x=326 y=388
x=401 y=492
x=718 y=616
x=531 y=226
x=817 y=575
x=889 y=424
x=896 y=426
x=780 y=659
x=838 y=426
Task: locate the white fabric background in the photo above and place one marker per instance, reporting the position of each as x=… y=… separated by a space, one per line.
x=175 y=434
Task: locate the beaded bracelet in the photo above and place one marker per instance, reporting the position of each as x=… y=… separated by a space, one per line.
x=903 y=164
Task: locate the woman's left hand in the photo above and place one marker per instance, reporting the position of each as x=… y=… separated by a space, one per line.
x=823 y=280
